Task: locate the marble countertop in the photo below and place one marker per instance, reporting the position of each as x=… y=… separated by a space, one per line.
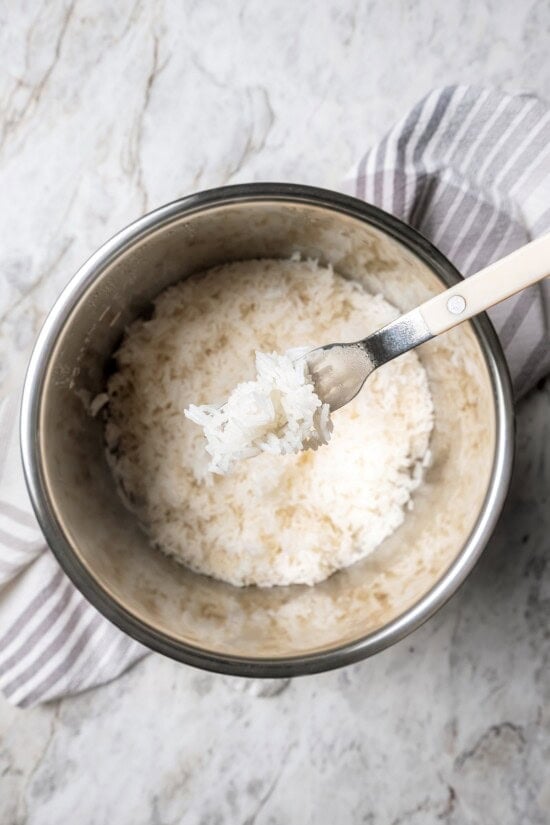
x=110 y=109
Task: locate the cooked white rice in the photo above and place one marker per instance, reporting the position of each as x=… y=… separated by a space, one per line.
x=277 y=413
x=278 y=518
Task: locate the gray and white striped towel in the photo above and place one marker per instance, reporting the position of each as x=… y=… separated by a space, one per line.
x=468 y=167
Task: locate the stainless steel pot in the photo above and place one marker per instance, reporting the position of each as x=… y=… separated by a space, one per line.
x=250 y=631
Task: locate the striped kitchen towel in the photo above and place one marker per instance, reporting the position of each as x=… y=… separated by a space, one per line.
x=52 y=641
x=470 y=168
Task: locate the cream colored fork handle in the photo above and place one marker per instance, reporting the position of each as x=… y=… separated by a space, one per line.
x=488 y=287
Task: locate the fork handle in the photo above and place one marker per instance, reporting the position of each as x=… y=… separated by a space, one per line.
x=488 y=287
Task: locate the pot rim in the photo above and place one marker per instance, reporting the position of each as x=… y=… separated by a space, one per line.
x=268 y=667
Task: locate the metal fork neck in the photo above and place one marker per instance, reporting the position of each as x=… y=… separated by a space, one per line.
x=401 y=335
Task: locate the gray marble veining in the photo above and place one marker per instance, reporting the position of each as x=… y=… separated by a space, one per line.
x=109 y=109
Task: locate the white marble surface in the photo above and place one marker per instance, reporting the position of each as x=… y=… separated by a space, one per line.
x=109 y=109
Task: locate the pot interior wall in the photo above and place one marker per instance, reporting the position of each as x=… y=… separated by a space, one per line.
x=195 y=609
